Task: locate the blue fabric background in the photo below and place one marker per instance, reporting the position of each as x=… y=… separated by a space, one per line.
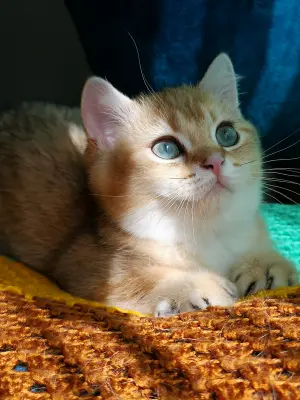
x=263 y=39
x=177 y=40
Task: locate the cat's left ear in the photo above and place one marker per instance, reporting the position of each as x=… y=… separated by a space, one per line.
x=221 y=81
x=104 y=111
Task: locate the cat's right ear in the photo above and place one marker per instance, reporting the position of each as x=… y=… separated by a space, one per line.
x=104 y=109
x=220 y=80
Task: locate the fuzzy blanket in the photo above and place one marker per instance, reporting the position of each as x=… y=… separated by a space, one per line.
x=56 y=346
x=284 y=225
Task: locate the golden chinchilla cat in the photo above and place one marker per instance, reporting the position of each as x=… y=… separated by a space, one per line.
x=160 y=216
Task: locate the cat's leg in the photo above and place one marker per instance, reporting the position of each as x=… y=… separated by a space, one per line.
x=169 y=291
x=263 y=271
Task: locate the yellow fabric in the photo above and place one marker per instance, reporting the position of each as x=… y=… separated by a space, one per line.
x=22 y=280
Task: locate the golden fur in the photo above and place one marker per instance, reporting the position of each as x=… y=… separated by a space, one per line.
x=110 y=221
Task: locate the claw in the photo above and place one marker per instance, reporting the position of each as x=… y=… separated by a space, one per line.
x=250 y=288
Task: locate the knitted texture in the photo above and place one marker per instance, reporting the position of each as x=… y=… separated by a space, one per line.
x=56 y=346
x=49 y=350
x=284 y=226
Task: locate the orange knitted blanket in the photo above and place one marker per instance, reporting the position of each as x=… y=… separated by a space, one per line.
x=53 y=346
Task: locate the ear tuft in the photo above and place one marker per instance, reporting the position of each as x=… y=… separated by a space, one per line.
x=103 y=109
x=221 y=81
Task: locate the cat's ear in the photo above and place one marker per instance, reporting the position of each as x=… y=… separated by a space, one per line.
x=104 y=109
x=220 y=79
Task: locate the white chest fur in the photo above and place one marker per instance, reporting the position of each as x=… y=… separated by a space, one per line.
x=215 y=243
x=220 y=247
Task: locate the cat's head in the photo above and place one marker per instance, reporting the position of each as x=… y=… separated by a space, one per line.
x=184 y=147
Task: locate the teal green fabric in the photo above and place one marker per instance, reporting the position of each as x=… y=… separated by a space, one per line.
x=284 y=225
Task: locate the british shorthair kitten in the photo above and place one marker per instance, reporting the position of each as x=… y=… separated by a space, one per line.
x=159 y=215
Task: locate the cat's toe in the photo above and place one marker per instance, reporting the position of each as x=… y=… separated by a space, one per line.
x=166 y=308
x=230 y=289
x=255 y=279
x=195 y=302
x=205 y=302
x=250 y=288
x=281 y=277
x=293 y=279
x=225 y=294
x=249 y=283
x=202 y=290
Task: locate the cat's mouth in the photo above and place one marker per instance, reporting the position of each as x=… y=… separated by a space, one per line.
x=216 y=189
x=220 y=185
x=197 y=189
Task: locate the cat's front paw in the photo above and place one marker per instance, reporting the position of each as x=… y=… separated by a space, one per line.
x=197 y=293
x=263 y=273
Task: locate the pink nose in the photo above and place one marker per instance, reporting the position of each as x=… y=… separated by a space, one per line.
x=214 y=163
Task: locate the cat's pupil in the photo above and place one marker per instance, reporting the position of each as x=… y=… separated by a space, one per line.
x=227 y=136
x=167 y=150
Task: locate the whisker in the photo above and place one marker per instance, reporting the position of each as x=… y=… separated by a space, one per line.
x=265 y=179
x=181 y=206
x=168 y=206
x=273 y=160
x=249 y=162
x=290 y=175
x=171 y=202
x=150 y=89
x=148 y=86
x=192 y=215
x=279 y=151
x=273 y=197
x=268 y=175
x=106 y=195
x=294 y=170
x=270 y=187
x=281 y=159
x=282 y=140
x=178 y=207
x=184 y=225
x=280 y=180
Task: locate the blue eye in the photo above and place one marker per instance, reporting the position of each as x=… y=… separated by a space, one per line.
x=227 y=136
x=167 y=149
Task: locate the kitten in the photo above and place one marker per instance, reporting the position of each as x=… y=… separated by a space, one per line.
x=158 y=213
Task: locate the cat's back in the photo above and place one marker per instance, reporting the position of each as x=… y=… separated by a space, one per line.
x=42 y=180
